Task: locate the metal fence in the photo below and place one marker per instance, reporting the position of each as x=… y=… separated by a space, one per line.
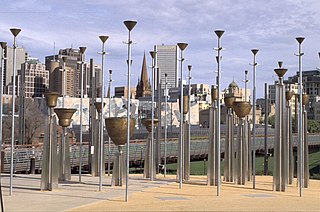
x=199 y=149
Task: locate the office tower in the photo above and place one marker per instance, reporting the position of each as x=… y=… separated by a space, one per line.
x=21 y=58
x=73 y=74
x=35 y=78
x=167 y=62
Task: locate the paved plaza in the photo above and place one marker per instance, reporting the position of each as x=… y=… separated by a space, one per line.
x=162 y=194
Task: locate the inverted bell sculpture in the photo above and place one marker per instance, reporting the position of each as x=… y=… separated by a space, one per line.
x=15 y=31
x=214 y=93
x=99 y=107
x=65 y=115
x=117 y=130
x=229 y=101
x=148 y=123
x=289 y=95
x=219 y=33
x=149 y=162
x=3 y=45
x=103 y=38
x=182 y=46
x=51 y=99
x=130 y=24
x=241 y=108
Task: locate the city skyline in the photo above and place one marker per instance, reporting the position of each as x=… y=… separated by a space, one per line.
x=271 y=27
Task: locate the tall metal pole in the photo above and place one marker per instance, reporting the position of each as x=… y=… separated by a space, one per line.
x=130 y=25
x=82 y=50
x=182 y=46
x=189 y=114
x=64 y=88
x=153 y=55
x=165 y=122
x=103 y=39
x=14 y=32
x=219 y=33
x=3 y=46
x=109 y=140
x=254 y=51
x=300 y=130
x=266 y=105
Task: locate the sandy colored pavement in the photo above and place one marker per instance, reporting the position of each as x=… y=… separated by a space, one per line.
x=197 y=196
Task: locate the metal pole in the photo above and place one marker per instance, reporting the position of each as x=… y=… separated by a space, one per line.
x=50 y=150
x=153 y=54
x=15 y=32
x=103 y=39
x=266 y=105
x=219 y=33
x=254 y=51
x=3 y=46
x=189 y=113
x=300 y=130
x=109 y=140
x=82 y=50
x=165 y=123
x=182 y=46
x=130 y=25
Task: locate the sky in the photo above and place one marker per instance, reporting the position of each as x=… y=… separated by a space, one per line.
x=268 y=25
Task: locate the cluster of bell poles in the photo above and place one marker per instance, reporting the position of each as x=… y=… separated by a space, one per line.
x=239 y=160
x=239 y=154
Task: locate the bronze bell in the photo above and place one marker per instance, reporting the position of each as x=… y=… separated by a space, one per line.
x=51 y=99
x=242 y=108
x=280 y=71
x=98 y=106
x=214 y=94
x=229 y=101
x=117 y=129
x=148 y=123
x=289 y=95
x=305 y=99
x=65 y=115
x=185 y=104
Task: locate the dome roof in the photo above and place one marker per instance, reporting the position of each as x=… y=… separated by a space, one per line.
x=233 y=84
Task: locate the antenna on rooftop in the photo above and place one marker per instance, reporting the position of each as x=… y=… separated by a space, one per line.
x=54 y=51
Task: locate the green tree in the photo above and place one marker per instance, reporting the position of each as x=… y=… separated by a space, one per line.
x=313 y=126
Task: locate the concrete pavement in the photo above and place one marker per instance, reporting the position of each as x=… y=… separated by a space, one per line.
x=160 y=195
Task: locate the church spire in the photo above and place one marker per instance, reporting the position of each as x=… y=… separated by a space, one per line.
x=144 y=73
x=144 y=87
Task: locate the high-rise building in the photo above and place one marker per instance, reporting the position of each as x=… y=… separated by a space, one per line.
x=167 y=62
x=35 y=79
x=21 y=58
x=73 y=66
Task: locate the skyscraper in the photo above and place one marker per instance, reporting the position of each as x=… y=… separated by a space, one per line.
x=167 y=62
x=21 y=58
x=35 y=79
x=73 y=74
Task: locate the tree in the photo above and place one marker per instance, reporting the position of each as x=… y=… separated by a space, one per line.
x=34 y=120
x=313 y=126
x=271 y=121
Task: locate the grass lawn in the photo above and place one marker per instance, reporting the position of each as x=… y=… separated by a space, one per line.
x=200 y=167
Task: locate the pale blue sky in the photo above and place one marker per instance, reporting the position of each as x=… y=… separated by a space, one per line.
x=270 y=26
